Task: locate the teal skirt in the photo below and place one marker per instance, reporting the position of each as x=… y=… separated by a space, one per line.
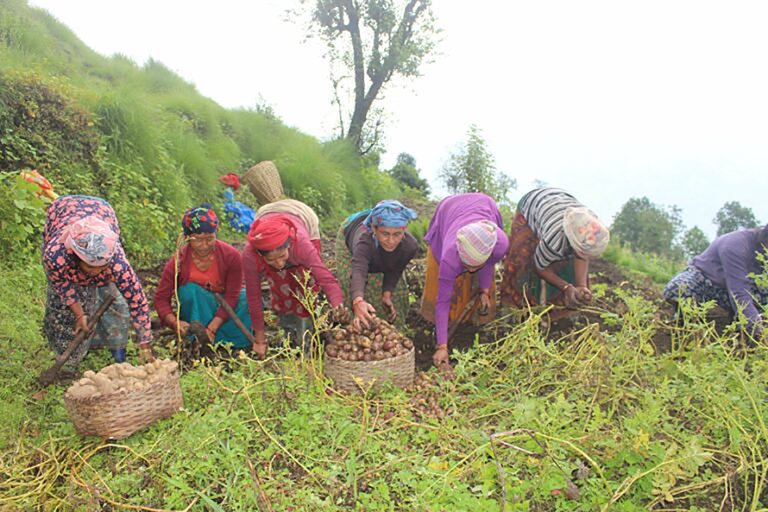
x=199 y=304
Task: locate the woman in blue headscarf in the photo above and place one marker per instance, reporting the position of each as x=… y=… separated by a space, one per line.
x=380 y=248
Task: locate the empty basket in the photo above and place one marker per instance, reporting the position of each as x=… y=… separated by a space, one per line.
x=263 y=180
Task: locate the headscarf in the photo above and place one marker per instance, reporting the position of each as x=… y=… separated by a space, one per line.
x=476 y=242
x=297 y=209
x=231 y=180
x=389 y=214
x=91 y=239
x=585 y=232
x=200 y=219
x=271 y=232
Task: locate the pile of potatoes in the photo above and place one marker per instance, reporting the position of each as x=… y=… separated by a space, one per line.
x=121 y=377
x=379 y=341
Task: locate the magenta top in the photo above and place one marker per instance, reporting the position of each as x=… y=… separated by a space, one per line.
x=453 y=213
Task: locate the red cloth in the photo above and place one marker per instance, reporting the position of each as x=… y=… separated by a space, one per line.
x=304 y=254
x=271 y=231
x=230 y=267
x=231 y=180
x=210 y=279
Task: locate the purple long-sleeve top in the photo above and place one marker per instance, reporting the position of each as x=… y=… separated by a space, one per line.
x=727 y=262
x=453 y=213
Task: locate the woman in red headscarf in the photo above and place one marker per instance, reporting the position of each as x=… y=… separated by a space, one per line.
x=283 y=246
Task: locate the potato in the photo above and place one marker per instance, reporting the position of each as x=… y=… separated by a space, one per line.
x=104 y=385
x=86 y=391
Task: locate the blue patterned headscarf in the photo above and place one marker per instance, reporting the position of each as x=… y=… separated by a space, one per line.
x=389 y=214
x=200 y=219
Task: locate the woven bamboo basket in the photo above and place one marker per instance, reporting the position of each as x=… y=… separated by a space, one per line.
x=263 y=180
x=398 y=370
x=120 y=414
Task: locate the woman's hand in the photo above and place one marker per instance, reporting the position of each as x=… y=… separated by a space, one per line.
x=386 y=300
x=440 y=357
x=181 y=326
x=485 y=302
x=571 y=295
x=364 y=312
x=583 y=294
x=259 y=345
x=81 y=324
x=212 y=328
x=340 y=314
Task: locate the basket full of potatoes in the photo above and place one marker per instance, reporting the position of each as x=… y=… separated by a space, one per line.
x=121 y=399
x=357 y=358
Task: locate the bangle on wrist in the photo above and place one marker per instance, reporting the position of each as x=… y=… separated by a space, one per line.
x=568 y=285
x=357 y=300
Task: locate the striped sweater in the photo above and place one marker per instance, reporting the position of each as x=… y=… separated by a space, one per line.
x=544 y=209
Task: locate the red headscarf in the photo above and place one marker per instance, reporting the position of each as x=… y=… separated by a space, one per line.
x=270 y=232
x=231 y=180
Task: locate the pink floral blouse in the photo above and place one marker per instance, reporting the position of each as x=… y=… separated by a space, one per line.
x=61 y=265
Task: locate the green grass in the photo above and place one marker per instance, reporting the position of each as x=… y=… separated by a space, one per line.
x=658 y=268
x=525 y=420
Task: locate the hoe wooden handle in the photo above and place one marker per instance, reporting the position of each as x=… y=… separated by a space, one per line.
x=232 y=315
x=49 y=375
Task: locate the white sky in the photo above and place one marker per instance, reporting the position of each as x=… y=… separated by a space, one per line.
x=607 y=99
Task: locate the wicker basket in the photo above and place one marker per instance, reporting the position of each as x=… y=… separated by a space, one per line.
x=398 y=370
x=122 y=413
x=263 y=180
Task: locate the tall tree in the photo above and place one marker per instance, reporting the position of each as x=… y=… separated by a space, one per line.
x=733 y=216
x=473 y=169
x=694 y=242
x=647 y=227
x=376 y=40
x=406 y=173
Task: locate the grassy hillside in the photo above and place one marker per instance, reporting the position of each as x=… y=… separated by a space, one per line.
x=146 y=140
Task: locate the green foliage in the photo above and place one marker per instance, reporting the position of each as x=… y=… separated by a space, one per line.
x=21 y=218
x=42 y=128
x=145 y=140
x=659 y=269
x=472 y=169
x=694 y=242
x=529 y=420
x=407 y=175
x=647 y=227
x=733 y=216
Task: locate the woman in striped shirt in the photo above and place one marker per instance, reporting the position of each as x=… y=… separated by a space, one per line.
x=552 y=239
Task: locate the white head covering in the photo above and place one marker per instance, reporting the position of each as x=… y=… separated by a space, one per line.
x=585 y=232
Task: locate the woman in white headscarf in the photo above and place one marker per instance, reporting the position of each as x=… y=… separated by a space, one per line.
x=552 y=240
